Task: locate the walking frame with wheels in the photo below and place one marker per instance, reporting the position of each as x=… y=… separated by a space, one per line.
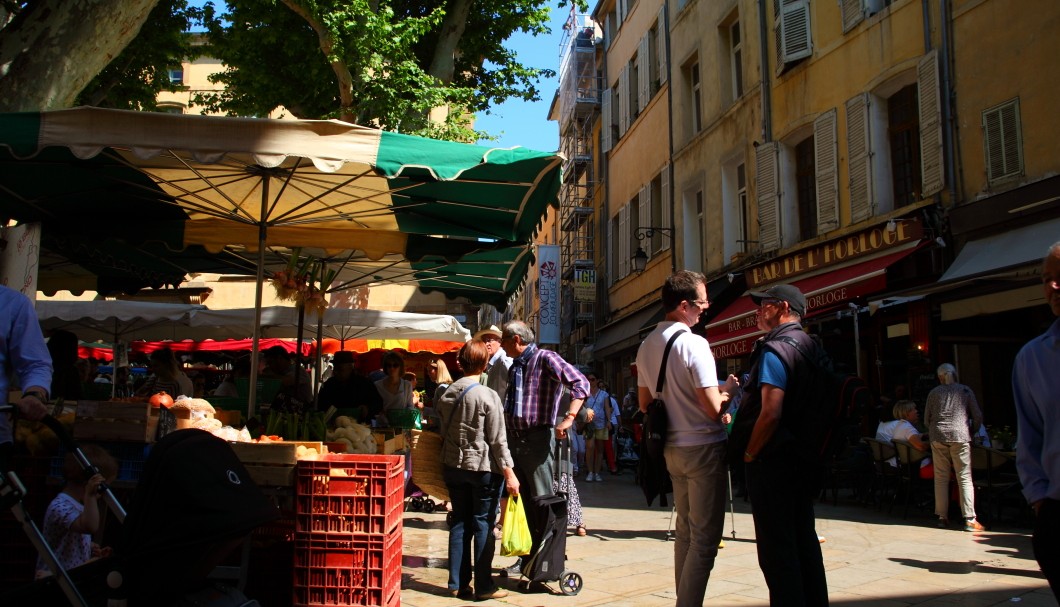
x=671 y=535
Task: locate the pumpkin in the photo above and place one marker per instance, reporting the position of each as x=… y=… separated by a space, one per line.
x=161 y=399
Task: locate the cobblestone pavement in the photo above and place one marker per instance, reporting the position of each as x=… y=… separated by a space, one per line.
x=874 y=559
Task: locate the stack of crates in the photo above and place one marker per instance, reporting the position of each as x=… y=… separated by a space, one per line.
x=347 y=542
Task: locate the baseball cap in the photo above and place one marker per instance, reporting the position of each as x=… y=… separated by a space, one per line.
x=490 y=330
x=787 y=293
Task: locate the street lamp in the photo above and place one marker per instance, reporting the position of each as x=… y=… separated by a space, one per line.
x=640 y=258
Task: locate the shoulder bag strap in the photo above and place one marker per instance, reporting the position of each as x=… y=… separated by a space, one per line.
x=662 y=366
x=460 y=399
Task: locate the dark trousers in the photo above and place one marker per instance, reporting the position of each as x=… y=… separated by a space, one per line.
x=789 y=552
x=532 y=453
x=1047 y=542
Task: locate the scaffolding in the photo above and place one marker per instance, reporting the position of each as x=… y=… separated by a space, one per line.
x=579 y=109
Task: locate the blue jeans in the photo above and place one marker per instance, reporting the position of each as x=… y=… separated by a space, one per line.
x=475 y=497
x=699 y=476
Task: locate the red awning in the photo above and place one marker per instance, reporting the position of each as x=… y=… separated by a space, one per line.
x=734 y=331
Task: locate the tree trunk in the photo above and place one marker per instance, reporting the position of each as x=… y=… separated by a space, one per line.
x=49 y=53
x=343 y=77
x=444 y=61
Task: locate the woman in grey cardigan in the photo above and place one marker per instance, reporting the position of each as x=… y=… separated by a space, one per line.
x=476 y=462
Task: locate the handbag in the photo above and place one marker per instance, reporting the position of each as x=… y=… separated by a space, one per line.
x=426 y=454
x=515 y=532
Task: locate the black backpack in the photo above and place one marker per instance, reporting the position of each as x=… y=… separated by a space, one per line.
x=831 y=405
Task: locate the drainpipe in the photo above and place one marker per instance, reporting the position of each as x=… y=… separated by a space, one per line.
x=763 y=50
x=948 y=117
x=670 y=135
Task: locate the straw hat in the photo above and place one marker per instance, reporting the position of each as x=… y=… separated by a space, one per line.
x=490 y=330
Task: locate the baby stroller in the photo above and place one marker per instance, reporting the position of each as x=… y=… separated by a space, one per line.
x=194 y=505
x=627 y=448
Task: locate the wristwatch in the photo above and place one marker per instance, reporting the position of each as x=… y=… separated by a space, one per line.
x=571 y=414
x=41 y=396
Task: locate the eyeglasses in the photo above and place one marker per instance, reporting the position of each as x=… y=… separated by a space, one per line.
x=489 y=338
x=699 y=303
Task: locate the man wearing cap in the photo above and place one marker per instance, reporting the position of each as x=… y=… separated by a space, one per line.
x=779 y=487
x=496 y=373
x=348 y=389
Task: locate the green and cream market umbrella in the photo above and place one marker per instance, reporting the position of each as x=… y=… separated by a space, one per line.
x=446 y=216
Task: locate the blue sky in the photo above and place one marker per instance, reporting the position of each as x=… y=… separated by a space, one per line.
x=523 y=123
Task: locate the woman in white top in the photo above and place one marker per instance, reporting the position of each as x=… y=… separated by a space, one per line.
x=397 y=393
x=903 y=427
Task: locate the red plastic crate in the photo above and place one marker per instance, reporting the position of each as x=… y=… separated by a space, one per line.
x=349 y=494
x=362 y=570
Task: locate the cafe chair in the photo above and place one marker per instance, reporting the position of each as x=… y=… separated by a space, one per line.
x=909 y=458
x=885 y=476
x=995 y=479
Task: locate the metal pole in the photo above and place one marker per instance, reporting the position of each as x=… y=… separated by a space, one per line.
x=262 y=233
x=857 y=339
x=732 y=506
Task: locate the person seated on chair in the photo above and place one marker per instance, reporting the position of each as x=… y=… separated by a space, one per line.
x=903 y=427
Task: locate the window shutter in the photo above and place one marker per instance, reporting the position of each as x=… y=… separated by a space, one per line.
x=624 y=236
x=826 y=165
x=767 y=175
x=664 y=204
x=929 y=99
x=1003 y=141
x=792 y=26
x=643 y=74
x=644 y=217
x=859 y=148
x=621 y=7
x=606 y=122
x=612 y=276
x=660 y=43
x=853 y=13
x=623 y=101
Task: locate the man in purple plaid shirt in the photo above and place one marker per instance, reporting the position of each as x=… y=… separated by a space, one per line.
x=531 y=407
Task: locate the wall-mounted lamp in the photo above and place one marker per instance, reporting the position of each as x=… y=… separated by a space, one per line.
x=892 y=226
x=640 y=257
x=732 y=276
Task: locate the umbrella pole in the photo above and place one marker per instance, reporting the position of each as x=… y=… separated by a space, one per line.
x=317 y=363
x=253 y=388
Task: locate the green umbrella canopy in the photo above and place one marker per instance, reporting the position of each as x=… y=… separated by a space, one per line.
x=233 y=185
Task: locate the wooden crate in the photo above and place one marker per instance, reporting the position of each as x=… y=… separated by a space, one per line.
x=114 y=421
x=387 y=443
x=272 y=464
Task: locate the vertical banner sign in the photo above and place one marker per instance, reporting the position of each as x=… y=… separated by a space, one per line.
x=584 y=284
x=20 y=258
x=548 y=293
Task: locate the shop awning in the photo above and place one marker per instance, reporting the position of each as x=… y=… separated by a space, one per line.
x=735 y=329
x=1003 y=252
x=622 y=333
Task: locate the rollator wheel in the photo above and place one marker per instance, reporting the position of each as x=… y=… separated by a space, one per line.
x=417 y=504
x=570 y=583
x=429 y=505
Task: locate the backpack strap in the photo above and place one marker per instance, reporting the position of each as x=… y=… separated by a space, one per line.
x=662 y=366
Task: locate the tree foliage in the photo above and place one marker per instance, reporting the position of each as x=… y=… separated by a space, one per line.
x=385 y=63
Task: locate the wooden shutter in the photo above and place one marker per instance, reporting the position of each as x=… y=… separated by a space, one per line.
x=768 y=182
x=1003 y=141
x=612 y=252
x=665 y=206
x=624 y=236
x=643 y=73
x=622 y=8
x=859 y=148
x=826 y=167
x=644 y=219
x=660 y=44
x=853 y=13
x=929 y=99
x=606 y=121
x=623 y=101
x=792 y=28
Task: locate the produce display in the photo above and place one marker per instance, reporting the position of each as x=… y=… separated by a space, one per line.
x=358 y=438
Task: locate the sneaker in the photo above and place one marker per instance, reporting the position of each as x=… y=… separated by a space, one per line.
x=599 y=478
x=590 y=477
x=498 y=593
x=514 y=570
x=821 y=539
x=943 y=523
x=973 y=525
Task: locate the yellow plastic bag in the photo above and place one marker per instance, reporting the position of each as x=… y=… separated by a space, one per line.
x=515 y=533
